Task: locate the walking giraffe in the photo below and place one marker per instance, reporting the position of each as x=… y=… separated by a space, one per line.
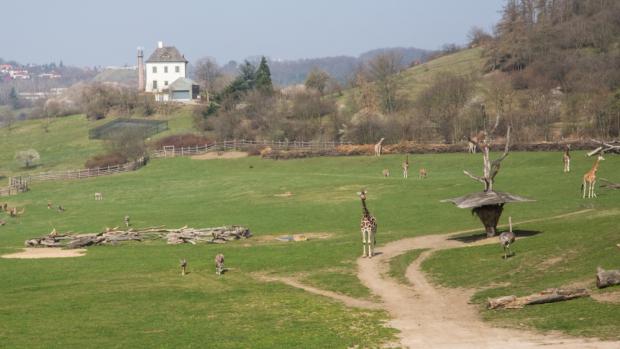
x=368 y=226
x=379 y=147
x=589 y=179
x=406 y=167
x=566 y=158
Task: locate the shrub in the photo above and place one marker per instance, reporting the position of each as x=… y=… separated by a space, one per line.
x=182 y=140
x=105 y=160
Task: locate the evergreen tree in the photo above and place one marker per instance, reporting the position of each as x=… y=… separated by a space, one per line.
x=263 y=77
x=14 y=99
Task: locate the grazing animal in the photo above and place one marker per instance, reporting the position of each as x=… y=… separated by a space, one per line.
x=566 y=158
x=61 y=209
x=14 y=213
x=506 y=238
x=49 y=205
x=183 y=264
x=406 y=167
x=2 y=222
x=379 y=147
x=219 y=264
x=589 y=179
x=5 y=207
x=126 y=219
x=368 y=227
x=422 y=173
x=472 y=142
x=98 y=196
x=386 y=172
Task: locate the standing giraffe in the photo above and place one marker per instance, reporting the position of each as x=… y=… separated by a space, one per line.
x=406 y=167
x=473 y=141
x=368 y=227
x=566 y=158
x=379 y=147
x=589 y=179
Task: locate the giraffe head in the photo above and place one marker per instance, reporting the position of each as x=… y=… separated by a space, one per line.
x=362 y=194
x=600 y=157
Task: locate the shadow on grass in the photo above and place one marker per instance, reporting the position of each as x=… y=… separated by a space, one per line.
x=467 y=239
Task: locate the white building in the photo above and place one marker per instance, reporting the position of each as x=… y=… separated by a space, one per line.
x=166 y=75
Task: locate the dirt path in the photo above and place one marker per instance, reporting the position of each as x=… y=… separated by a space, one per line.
x=429 y=316
x=348 y=301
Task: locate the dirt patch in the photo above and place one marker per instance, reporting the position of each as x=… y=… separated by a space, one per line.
x=293 y=237
x=549 y=262
x=609 y=297
x=284 y=195
x=221 y=155
x=36 y=253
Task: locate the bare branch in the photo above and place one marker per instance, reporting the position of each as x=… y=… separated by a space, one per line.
x=476 y=178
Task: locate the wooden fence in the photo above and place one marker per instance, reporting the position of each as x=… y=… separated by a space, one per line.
x=244 y=144
x=20 y=183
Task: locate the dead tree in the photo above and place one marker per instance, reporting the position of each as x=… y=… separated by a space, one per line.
x=489 y=168
x=605 y=147
x=488 y=204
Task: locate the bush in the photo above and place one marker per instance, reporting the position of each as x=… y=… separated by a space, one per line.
x=182 y=140
x=105 y=160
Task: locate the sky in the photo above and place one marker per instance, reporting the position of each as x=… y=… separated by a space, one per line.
x=107 y=32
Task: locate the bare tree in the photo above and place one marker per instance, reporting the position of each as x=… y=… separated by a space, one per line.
x=207 y=73
x=317 y=79
x=489 y=168
x=382 y=71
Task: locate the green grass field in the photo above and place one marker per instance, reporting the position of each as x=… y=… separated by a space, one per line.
x=133 y=296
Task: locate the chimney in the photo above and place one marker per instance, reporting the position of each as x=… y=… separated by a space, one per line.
x=141 y=84
x=160 y=44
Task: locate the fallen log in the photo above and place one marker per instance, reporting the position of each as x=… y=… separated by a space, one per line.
x=605 y=278
x=550 y=295
x=115 y=235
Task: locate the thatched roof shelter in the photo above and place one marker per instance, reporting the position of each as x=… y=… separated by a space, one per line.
x=485 y=198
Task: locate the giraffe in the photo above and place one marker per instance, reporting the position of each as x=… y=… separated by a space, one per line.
x=368 y=227
x=379 y=147
x=589 y=179
x=406 y=167
x=566 y=158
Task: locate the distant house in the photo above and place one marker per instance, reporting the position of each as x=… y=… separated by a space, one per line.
x=166 y=76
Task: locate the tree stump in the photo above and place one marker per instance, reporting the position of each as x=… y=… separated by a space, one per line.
x=605 y=278
x=489 y=216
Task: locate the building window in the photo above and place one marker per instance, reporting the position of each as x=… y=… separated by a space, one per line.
x=165 y=83
x=177 y=69
x=165 y=69
x=154 y=84
x=154 y=69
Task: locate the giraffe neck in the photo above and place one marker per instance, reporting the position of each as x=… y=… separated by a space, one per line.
x=595 y=167
x=364 y=208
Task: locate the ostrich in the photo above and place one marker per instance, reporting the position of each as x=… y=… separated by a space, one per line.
x=219 y=264
x=506 y=238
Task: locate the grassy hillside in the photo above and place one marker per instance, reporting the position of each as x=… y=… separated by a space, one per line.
x=133 y=296
x=66 y=144
x=413 y=80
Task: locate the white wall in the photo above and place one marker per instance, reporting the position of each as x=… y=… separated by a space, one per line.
x=161 y=76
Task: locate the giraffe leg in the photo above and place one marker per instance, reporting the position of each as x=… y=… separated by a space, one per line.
x=593 y=193
x=584 y=185
x=371 y=244
x=363 y=243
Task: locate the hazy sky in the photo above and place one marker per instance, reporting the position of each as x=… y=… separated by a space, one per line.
x=107 y=32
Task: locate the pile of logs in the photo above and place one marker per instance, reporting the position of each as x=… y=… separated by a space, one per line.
x=115 y=235
x=547 y=296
